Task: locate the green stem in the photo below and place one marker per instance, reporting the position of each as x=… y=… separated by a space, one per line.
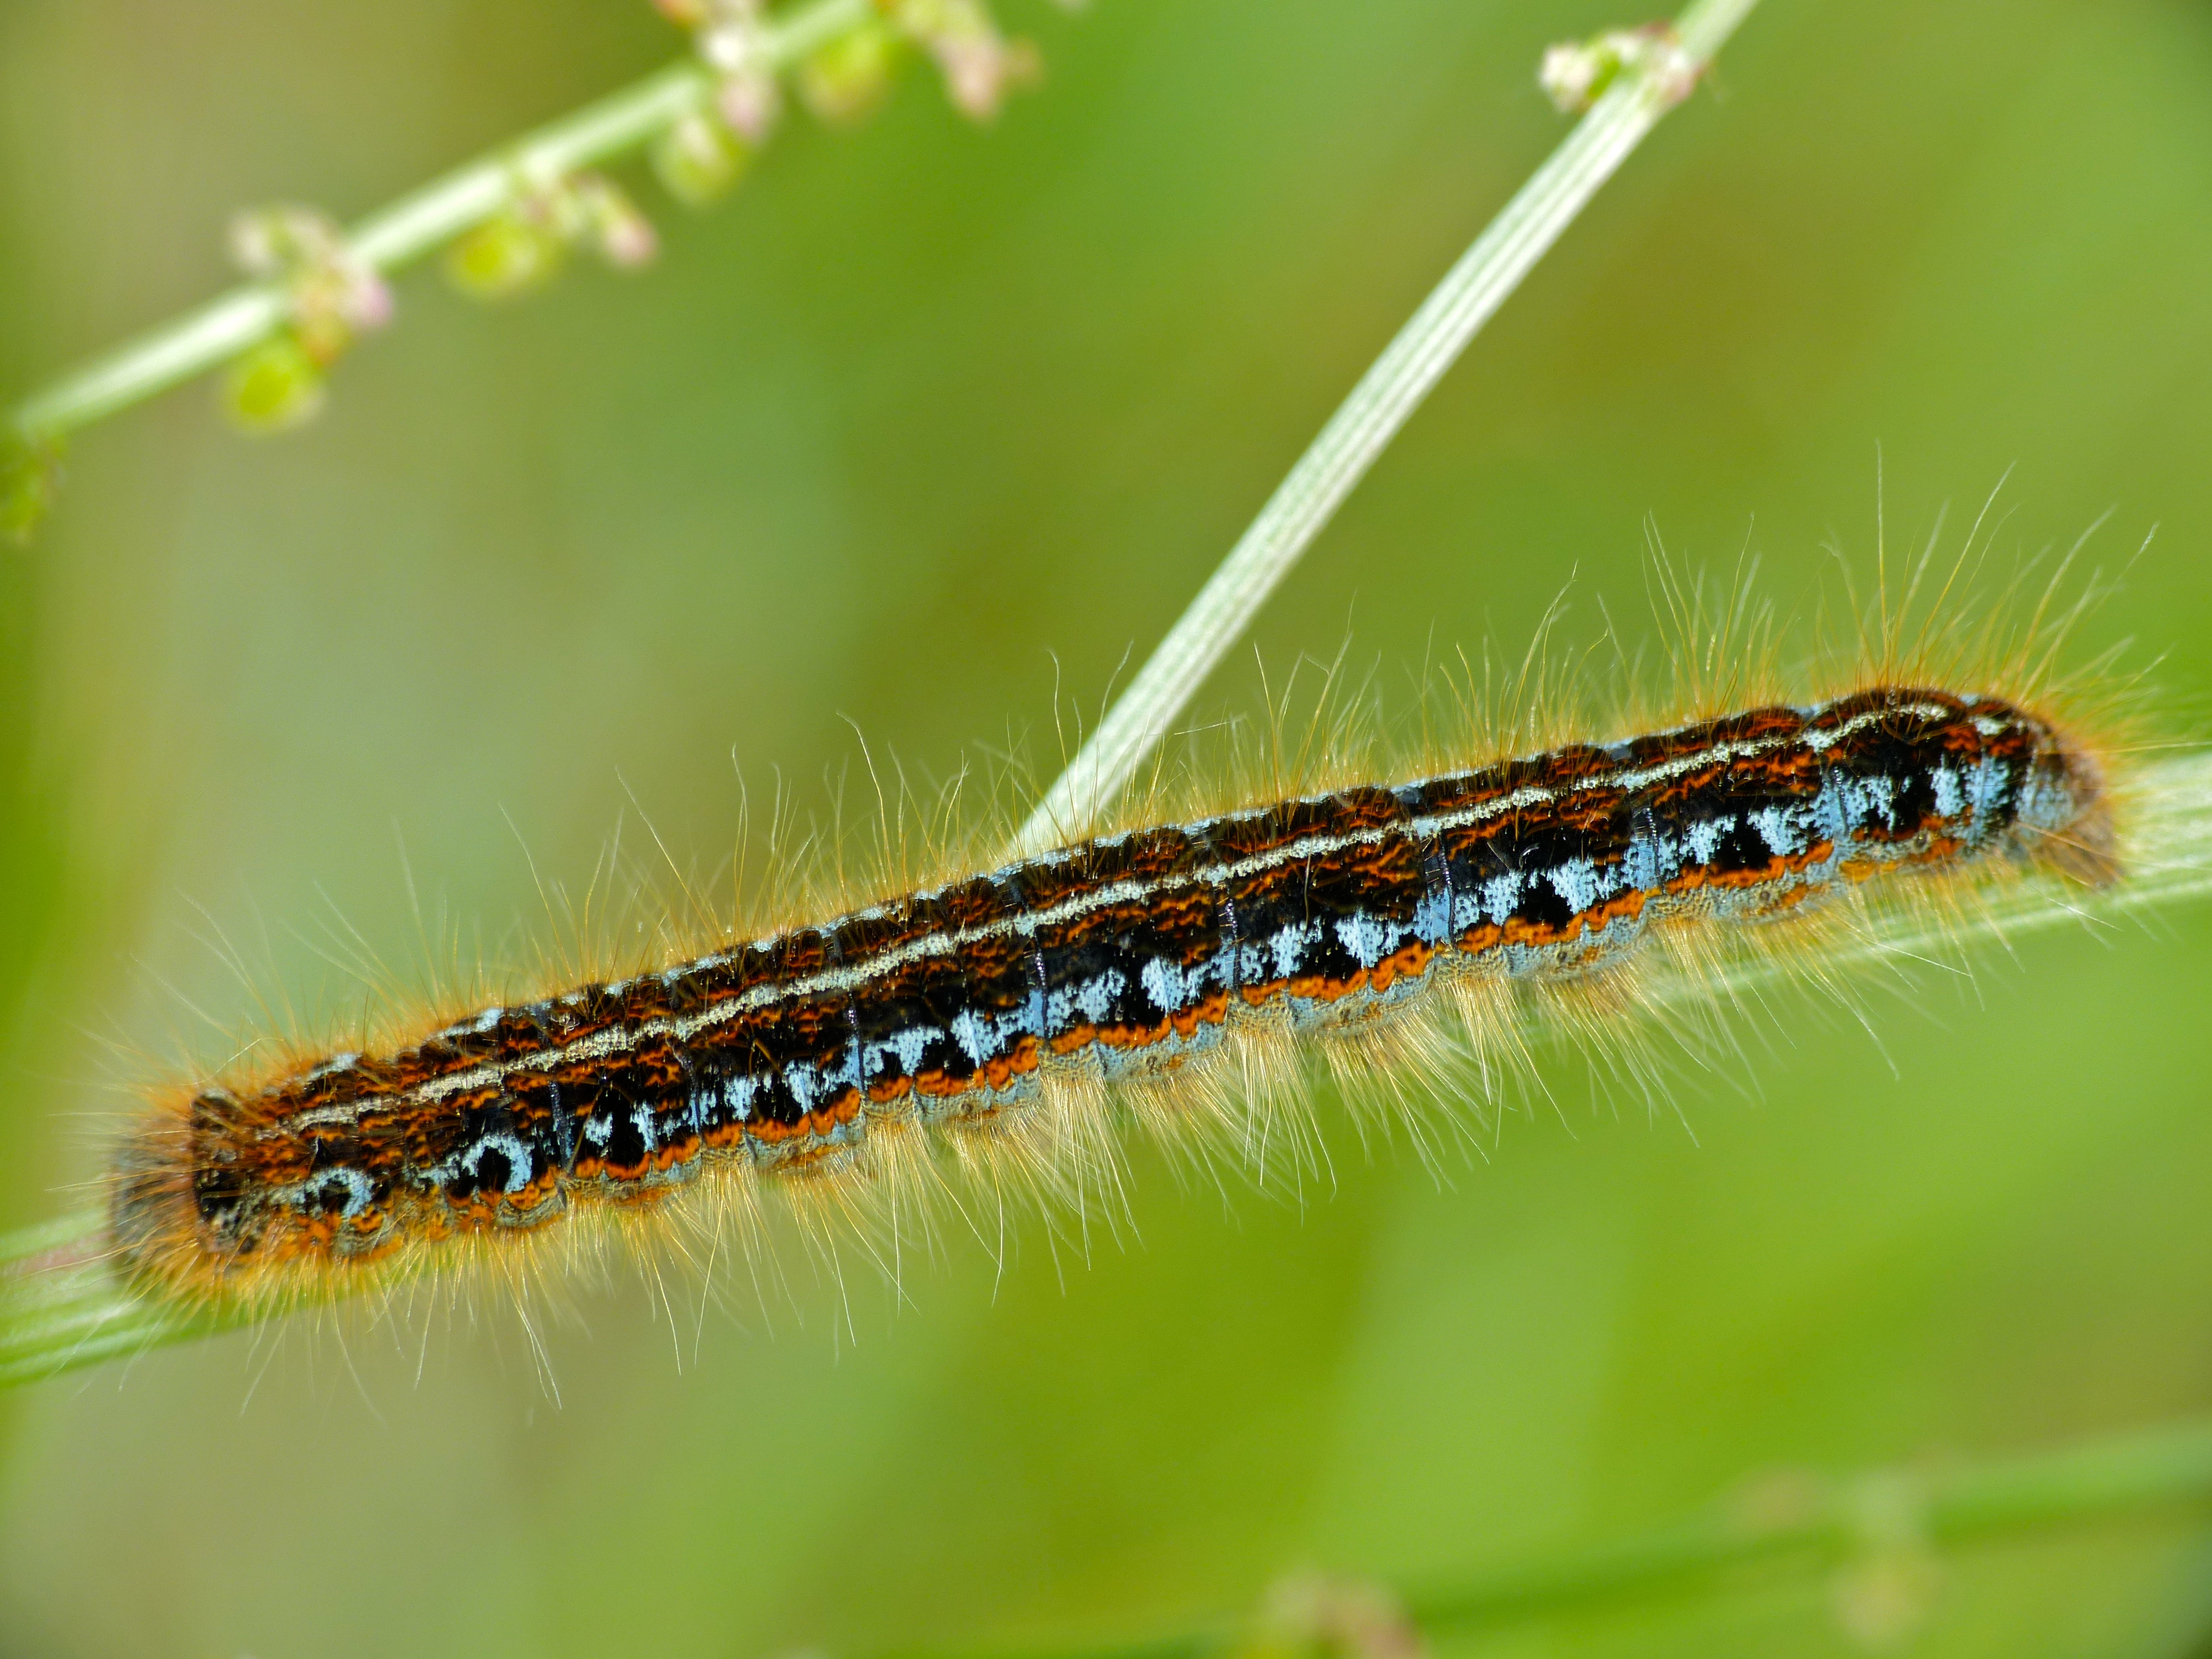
x=417 y=224
x=62 y=1304
x=1363 y=426
x=1806 y=1524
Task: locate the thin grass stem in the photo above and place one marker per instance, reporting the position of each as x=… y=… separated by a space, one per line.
x=1784 y=1522
x=1364 y=424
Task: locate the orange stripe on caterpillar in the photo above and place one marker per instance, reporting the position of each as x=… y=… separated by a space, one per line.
x=1127 y=957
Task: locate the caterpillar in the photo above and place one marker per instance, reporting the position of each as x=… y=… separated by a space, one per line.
x=1129 y=965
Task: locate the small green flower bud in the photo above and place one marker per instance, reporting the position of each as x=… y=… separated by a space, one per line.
x=1576 y=73
x=275 y=386
x=699 y=159
x=846 y=78
x=515 y=251
x=1886 y=1587
x=612 y=223
x=1319 y=1618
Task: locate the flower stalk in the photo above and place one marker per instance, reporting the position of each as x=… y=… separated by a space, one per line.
x=533 y=196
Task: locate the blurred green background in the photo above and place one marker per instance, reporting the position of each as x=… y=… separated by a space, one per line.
x=922 y=410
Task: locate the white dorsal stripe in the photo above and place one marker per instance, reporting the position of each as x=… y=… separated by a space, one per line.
x=616 y=1039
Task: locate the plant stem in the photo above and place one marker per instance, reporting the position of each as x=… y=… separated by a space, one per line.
x=1809 y=1524
x=1826 y=1523
x=63 y=1306
x=1363 y=427
x=417 y=224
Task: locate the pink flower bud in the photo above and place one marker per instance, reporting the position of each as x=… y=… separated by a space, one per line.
x=979 y=64
x=750 y=102
x=333 y=294
x=612 y=223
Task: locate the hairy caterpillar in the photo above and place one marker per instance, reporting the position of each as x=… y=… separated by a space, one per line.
x=1139 y=960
